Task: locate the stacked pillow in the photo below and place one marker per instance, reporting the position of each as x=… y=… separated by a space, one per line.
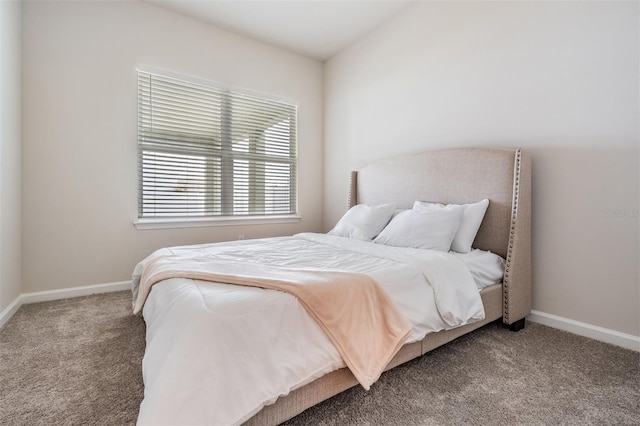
x=427 y=226
x=424 y=229
x=364 y=222
x=472 y=217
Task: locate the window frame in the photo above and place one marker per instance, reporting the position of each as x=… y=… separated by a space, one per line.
x=223 y=219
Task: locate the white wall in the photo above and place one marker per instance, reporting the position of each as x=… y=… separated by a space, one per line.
x=10 y=39
x=79 y=131
x=559 y=78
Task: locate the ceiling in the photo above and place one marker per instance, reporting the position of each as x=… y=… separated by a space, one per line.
x=315 y=28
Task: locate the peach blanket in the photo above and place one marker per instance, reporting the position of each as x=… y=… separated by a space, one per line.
x=356 y=314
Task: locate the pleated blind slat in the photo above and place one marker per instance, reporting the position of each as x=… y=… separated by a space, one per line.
x=210 y=151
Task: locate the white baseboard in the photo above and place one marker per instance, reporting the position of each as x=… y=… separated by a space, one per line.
x=627 y=341
x=8 y=312
x=65 y=293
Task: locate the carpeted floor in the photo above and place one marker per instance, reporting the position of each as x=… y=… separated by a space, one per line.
x=72 y=362
x=77 y=362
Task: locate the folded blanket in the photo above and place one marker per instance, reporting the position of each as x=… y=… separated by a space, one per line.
x=356 y=314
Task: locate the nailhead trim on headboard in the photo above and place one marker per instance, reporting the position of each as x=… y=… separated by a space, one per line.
x=512 y=230
x=351 y=201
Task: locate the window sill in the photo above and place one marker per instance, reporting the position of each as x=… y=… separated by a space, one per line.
x=213 y=221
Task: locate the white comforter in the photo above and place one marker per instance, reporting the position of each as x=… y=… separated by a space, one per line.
x=217 y=353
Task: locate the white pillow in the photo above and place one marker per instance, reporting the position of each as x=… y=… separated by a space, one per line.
x=428 y=229
x=364 y=222
x=471 y=221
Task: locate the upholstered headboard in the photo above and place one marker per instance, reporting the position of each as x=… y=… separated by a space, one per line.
x=465 y=176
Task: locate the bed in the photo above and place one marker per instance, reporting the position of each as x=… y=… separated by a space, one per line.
x=186 y=347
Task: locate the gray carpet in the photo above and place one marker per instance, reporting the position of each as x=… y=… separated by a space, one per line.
x=77 y=362
x=72 y=362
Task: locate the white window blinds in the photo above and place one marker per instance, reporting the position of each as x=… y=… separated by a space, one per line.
x=207 y=151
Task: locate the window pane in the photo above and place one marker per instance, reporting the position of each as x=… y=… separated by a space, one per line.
x=240 y=187
x=277 y=188
x=173 y=185
x=278 y=139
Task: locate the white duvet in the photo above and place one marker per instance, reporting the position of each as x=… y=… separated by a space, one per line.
x=217 y=353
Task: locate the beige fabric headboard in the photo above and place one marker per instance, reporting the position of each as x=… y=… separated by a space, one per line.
x=462 y=176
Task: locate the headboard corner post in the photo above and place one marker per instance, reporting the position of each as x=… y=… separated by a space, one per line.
x=517 y=274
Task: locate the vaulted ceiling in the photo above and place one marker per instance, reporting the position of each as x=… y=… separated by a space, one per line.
x=318 y=29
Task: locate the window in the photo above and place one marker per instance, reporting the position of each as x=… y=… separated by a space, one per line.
x=206 y=151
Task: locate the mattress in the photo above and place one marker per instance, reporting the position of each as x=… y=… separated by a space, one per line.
x=218 y=353
x=486 y=268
